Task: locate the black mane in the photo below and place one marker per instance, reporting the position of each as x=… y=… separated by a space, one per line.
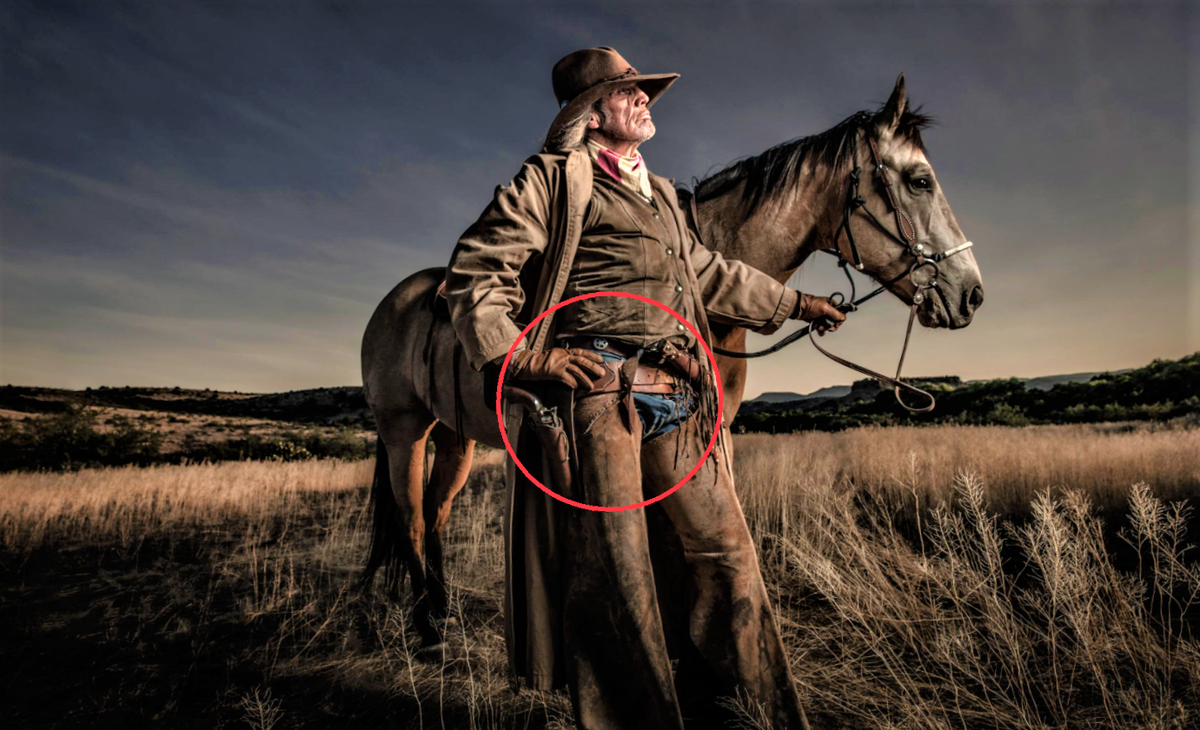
x=778 y=168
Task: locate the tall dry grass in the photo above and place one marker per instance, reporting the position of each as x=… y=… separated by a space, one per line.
x=130 y=502
x=917 y=466
x=283 y=543
x=970 y=633
x=978 y=622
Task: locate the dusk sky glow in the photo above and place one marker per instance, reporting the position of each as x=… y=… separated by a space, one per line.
x=217 y=194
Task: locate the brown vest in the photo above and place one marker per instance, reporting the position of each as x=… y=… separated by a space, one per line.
x=627 y=245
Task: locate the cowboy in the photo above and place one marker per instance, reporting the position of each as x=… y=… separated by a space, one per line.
x=598 y=600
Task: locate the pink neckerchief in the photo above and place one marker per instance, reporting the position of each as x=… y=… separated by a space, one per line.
x=629 y=171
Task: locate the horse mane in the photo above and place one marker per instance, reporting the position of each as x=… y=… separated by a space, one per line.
x=778 y=168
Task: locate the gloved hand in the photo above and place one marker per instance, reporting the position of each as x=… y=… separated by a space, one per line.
x=818 y=310
x=575 y=368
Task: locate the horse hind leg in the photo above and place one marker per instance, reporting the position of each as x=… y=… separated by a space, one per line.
x=399 y=525
x=451 y=467
x=387 y=541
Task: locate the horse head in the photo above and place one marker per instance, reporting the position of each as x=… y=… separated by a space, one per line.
x=901 y=216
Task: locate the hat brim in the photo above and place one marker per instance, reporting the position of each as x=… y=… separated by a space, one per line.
x=653 y=84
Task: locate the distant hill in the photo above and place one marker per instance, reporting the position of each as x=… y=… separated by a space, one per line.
x=55 y=429
x=1049 y=381
x=770 y=401
x=833 y=391
x=1162 y=390
x=341 y=406
x=776 y=398
x=827 y=397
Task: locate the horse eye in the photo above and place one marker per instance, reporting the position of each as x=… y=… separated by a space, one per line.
x=921 y=183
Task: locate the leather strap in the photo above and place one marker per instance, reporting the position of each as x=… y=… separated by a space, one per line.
x=646 y=379
x=903 y=222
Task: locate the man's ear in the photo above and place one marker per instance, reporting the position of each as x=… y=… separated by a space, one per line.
x=594 y=121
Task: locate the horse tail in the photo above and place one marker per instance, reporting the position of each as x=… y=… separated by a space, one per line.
x=386 y=549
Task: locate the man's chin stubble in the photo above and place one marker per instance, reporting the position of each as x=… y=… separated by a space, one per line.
x=641 y=133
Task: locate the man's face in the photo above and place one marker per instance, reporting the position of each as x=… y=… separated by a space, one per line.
x=624 y=116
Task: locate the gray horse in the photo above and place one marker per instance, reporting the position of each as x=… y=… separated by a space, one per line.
x=772 y=211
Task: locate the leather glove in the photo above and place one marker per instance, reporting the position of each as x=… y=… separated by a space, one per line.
x=575 y=368
x=820 y=311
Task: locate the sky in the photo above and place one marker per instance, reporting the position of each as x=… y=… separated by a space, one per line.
x=218 y=194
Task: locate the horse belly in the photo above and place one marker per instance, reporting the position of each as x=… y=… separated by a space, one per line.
x=454 y=390
x=410 y=365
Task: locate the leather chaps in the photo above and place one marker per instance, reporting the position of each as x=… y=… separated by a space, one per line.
x=678 y=580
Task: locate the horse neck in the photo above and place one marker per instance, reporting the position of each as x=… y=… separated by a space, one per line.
x=783 y=232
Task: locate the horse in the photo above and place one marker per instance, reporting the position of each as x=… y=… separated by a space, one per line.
x=772 y=211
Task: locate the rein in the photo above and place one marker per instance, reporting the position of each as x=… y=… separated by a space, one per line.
x=922 y=259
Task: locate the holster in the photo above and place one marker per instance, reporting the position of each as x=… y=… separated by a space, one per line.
x=676 y=361
x=551 y=432
x=550 y=407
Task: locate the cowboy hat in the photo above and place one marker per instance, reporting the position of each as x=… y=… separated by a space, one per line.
x=582 y=77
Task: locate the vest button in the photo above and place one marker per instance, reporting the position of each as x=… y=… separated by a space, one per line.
x=678 y=288
x=669 y=252
x=679 y=327
x=656 y=215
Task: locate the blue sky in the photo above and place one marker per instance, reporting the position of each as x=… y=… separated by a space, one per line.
x=217 y=194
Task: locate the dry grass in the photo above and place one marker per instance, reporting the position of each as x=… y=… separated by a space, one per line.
x=920 y=464
x=906 y=602
x=129 y=503
x=972 y=633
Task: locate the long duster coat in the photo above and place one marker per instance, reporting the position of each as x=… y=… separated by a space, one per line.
x=525 y=241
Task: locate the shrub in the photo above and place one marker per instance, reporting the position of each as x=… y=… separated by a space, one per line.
x=70 y=441
x=289 y=446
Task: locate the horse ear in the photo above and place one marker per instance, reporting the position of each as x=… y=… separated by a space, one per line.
x=895 y=107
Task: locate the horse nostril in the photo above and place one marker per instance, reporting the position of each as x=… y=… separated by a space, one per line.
x=972 y=301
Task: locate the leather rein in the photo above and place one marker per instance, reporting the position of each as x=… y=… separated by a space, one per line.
x=922 y=258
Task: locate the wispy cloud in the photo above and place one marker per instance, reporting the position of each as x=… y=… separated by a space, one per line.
x=219 y=196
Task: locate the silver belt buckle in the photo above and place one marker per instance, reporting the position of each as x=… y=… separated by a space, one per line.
x=600 y=343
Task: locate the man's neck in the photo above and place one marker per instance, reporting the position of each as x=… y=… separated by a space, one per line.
x=623 y=148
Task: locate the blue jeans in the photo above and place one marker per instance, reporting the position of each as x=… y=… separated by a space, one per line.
x=659 y=414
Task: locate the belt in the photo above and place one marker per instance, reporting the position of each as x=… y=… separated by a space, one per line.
x=624 y=349
x=646 y=378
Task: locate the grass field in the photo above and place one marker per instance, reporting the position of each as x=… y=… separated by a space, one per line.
x=924 y=578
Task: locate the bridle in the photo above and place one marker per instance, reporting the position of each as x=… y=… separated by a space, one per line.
x=922 y=258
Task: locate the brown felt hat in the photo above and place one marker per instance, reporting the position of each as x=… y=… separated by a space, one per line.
x=582 y=77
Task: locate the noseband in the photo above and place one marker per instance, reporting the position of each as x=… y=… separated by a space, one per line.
x=922 y=258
